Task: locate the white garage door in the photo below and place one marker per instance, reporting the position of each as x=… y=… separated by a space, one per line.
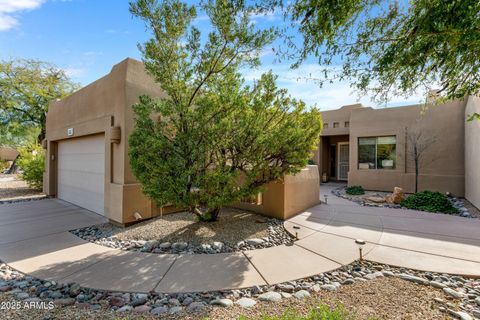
x=81 y=172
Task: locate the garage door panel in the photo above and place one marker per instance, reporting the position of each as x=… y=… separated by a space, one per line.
x=80 y=180
x=88 y=199
x=82 y=162
x=81 y=172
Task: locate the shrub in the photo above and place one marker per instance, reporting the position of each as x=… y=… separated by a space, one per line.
x=355 y=190
x=4 y=165
x=32 y=164
x=429 y=201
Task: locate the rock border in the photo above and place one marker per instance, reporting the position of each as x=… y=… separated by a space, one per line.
x=26 y=199
x=456 y=202
x=277 y=235
x=29 y=289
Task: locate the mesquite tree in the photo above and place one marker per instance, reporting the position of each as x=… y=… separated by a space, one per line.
x=214 y=140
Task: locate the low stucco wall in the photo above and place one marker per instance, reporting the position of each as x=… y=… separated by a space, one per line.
x=287 y=197
x=8 y=154
x=472 y=153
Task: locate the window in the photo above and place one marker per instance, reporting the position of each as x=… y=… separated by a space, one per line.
x=325 y=126
x=335 y=124
x=377 y=152
x=347 y=124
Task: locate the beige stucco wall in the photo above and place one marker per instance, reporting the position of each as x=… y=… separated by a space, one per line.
x=472 y=153
x=97 y=108
x=8 y=154
x=289 y=196
x=443 y=166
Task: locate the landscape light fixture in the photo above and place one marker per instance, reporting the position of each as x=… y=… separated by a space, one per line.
x=360 y=243
x=326 y=199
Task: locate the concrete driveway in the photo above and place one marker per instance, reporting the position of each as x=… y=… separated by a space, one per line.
x=34 y=239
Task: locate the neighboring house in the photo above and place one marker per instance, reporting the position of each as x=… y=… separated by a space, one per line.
x=374 y=148
x=87 y=160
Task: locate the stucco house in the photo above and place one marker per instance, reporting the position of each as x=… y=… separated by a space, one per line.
x=374 y=148
x=87 y=160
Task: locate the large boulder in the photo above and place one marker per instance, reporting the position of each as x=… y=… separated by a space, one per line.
x=396 y=197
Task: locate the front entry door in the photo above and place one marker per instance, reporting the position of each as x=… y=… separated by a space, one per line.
x=343 y=160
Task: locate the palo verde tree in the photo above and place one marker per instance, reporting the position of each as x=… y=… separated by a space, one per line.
x=391 y=47
x=214 y=140
x=26 y=89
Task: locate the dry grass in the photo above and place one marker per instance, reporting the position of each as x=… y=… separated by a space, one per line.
x=13 y=188
x=232 y=226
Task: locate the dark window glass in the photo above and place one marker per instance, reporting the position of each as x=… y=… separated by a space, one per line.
x=386 y=155
x=377 y=153
x=366 y=153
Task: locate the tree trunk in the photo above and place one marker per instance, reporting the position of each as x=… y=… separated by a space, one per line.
x=210 y=215
x=42 y=135
x=213 y=213
x=13 y=168
x=416 y=175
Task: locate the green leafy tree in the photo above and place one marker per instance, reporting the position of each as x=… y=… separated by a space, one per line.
x=214 y=140
x=391 y=47
x=32 y=163
x=26 y=89
x=15 y=134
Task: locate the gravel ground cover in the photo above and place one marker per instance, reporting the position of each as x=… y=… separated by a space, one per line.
x=465 y=209
x=13 y=189
x=365 y=289
x=236 y=230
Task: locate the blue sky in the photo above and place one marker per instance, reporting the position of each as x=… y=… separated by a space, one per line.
x=87 y=37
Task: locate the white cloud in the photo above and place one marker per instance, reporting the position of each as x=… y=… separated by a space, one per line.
x=301 y=85
x=7 y=22
x=9 y=8
x=73 y=72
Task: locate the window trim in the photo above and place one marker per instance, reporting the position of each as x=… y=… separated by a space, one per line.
x=376 y=153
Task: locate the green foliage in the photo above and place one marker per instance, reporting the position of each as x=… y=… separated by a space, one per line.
x=26 y=89
x=429 y=201
x=354 y=190
x=14 y=134
x=32 y=164
x=215 y=140
x=4 y=165
x=322 y=312
x=474 y=116
x=392 y=47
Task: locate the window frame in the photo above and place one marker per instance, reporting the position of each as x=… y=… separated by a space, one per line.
x=376 y=152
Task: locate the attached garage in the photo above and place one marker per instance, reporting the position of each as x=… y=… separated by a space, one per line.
x=86 y=145
x=81 y=172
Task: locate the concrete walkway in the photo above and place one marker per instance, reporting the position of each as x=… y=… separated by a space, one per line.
x=34 y=239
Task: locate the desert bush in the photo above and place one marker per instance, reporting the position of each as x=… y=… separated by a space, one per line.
x=355 y=190
x=32 y=164
x=429 y=201
x=4 y=165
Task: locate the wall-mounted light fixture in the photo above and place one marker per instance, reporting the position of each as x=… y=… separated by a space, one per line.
x=115 y=134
